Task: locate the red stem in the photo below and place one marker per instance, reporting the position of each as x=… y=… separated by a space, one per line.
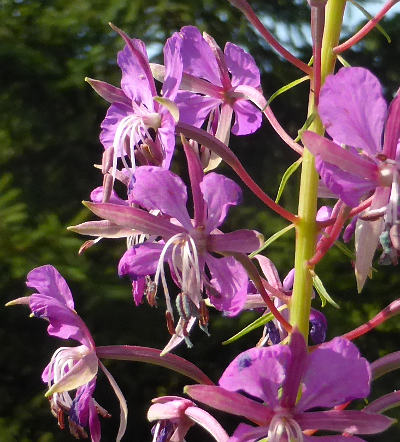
x=230 y=158
x=327 y=241
x=365 y=29
x=246 y=9
x=391 y=310
x=353 y=212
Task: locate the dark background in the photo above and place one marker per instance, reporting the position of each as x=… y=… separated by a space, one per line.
x=49 y=127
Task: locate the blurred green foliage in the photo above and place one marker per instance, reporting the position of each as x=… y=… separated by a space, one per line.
x=49 y=129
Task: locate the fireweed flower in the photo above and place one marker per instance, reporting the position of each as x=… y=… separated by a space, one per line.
x=332 y=374
x=70 y=368
x=174 y=417
x=139 y=124
x=187 y=245
x=357 y=163
x=209 y=82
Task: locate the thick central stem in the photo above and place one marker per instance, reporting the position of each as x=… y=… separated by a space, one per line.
x=306 y=229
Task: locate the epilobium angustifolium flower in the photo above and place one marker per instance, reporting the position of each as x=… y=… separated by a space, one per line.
x=139 y=124
x=357 y=162
x=332 y=374
x=70 y=368
x=188 y=245
x=210 y=79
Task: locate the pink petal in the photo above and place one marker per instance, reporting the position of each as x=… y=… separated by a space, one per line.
x=242 y=66
x=336 y=373
x=48 y=282
x=247 y=118
x=353 y=109
x=247 y=372
x=230 y=402
x=218 y=203
x=242 y=241
x=160 y=189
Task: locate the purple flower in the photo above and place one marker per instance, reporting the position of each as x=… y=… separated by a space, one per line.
x=70 y=368
x=187 y=245
x=355 y=115
x=139 y=124
x=175 y=416
x=210 y=80
x=271 y=378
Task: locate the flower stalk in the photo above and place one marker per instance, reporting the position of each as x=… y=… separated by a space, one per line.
x=306 y=228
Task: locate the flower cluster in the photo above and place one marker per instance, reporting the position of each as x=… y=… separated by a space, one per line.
x=176 y=245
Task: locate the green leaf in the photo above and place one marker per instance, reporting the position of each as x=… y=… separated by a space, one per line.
x=344 y=63
x=271 y=239
x=306 y=125
x=321 y=290
x=345 y=250
x=259 y=322
x=288 y=173
x=284 y=89
x=370 y=17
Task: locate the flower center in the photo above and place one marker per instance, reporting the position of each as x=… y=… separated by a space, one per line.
x=283 y=428
x=136 y=130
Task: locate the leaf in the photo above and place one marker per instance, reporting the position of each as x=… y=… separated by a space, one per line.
x=345 y=250
x=288 y=173
x=285 y=89
x=370 y=17
x=271 y=239
x=259 y=322
x=306 y=125
x=345 y=63
x=321 y=290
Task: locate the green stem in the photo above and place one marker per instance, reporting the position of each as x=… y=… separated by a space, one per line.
x=306 y=228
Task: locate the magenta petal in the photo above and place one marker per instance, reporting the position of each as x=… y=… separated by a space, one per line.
x=194 y=108
x=346 y=160
x=160 y=189
x=392 y=129
x=48 y=282
x=247 y=433
x=109 y=92
x=166 y=136
x=349 y=421
x=348 y=187
x=173 y=68
x=135 y=82
x=64 y=322
x=242 y=241
x=229 y=194
x=336 y=373
x=134 y=218
x=94 y=423
x=269 y=270
x=242 y=66
x=116 y=112
x=230 y=280
x=140 y=260
x=353 y=109
x=259 y=372
x=247 y=118
x=197 y=56
x=80 y=408
x=229 y=401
